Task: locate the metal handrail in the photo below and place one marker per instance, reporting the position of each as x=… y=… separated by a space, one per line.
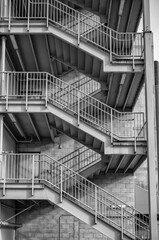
x=84 y=84
x=77 y=103
x=103 y=205
x=80 y=159
x=54 y=12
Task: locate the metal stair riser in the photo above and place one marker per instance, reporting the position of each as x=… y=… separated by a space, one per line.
x=55 y=12
x=75 y=102
x=32 y=168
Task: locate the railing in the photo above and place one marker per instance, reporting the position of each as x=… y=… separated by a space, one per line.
x=32 y=168
x=84 y=84
x=80 y=159
x=55 y=12
x=29 y=85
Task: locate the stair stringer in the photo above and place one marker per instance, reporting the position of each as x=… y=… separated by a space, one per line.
x=44 y=192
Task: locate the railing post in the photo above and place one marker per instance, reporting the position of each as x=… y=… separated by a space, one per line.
x=133 y=51
x=110 y=42
x=61 y=184
x=78 y=28
x=134 y=135
x=4 y=174
x=26 y=104
x=7 y=91
x=111 y=125
x=47 y=16
x=33 y=165
x=9 y=16
x=78 y=121
x=46 y=90
x=122 y=223
x=96 y=206
x=28 y=15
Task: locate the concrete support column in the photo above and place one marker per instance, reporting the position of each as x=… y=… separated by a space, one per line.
x=3 y=64
x=150 y=115
x=157 y=111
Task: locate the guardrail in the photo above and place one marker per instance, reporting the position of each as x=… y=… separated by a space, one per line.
x=103 y=205
x=54 y=12
x=80 y=159
x=28 y=85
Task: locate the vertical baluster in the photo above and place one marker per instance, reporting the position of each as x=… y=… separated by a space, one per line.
x=4 y=174
x=26 y=104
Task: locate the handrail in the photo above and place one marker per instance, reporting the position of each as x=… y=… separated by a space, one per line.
x=84 y=84
x=80 y=159
x=103 y=205
x=118 y=44
x=77 y=103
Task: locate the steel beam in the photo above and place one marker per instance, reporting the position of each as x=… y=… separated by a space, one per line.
x=33 y=51
x=157 y=110
x=49 y=128
x=149 y=85
x=34 y=127
x=1 y=133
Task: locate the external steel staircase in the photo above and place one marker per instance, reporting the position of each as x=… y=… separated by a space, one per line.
x=85 y=28
x=75 y=113
x=39 y=177
x=94 y=49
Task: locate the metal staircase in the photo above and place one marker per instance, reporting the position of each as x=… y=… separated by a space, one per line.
x=74 y=112
x=94 y=49
x=37 y=176
x=53 y=11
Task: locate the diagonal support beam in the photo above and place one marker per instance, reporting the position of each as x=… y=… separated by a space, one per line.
x=32 y=48
x=50 y=128
x=34 y=127
x=129 y=163
x=119 y=163
x=110 y=161
x=15 y=46
x=17 y=125
x=48 y=53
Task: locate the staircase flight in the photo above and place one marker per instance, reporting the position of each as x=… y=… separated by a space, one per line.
x=82 y=27
x=37 y=85
x=39 y=168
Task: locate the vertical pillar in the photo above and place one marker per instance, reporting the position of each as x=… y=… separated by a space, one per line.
x=157 y=111
x=5 y=8
x=150 y=115
x=1 y=143
x=3 y=63
x=1 y=133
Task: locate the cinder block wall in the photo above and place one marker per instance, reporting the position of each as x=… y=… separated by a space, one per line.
x=47 y=222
